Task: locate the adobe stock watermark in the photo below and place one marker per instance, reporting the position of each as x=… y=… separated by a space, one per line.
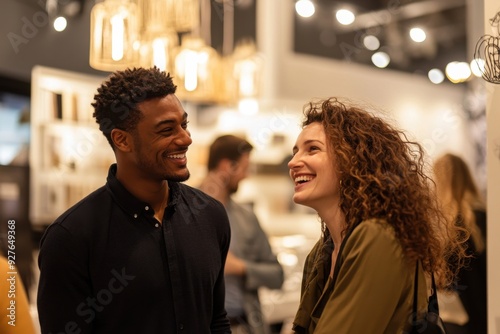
x=92 y=305
x=30 y=27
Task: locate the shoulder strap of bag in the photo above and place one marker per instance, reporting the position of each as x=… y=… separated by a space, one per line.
x=433 y=301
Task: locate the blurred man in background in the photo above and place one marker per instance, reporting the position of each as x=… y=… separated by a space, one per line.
x=250 y=262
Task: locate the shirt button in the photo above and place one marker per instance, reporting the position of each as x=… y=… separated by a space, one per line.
x=135 y=215
x=146 y=208
x=156 y=225
x=181 y=326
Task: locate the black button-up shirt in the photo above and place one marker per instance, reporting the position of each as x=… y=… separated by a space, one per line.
x=108 y=266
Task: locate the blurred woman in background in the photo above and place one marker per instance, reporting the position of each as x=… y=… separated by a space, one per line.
x=463 y=204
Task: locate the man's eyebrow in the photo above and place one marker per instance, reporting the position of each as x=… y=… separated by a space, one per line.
x=170 y=121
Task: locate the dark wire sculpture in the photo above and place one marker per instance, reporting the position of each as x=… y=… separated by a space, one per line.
x=488 y=49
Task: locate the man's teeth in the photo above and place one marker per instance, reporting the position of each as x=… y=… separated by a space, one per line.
x=177 y=156
x=303 y=178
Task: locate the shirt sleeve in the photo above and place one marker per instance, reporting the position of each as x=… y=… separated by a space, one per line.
x=64 y=285
x=266 y=270
x=369 y=284
x=220 y=322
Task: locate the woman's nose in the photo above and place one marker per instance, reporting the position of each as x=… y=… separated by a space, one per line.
x=293 y=162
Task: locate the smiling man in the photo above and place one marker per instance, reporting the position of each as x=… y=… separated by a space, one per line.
x=144 y=253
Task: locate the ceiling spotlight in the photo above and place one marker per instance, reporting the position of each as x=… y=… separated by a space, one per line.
x=477 y=67
x=345 y=16
x=60 y=23
x=371 y=42
x=381 y=59
x=417 y=35
x=436 y=76
x=305 y=8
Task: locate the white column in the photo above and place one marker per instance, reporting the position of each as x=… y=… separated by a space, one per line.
x=491 y=7
x=267 y=43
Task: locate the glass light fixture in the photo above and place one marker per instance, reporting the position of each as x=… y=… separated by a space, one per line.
x=197 y=69
x=113 y=34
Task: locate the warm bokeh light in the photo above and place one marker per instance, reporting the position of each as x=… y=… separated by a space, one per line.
x=381 y=59
x=458 y=72
x=417 y=35
x=305 y=8
x=371 y=42
x=248 y=106
x=477 y=67
x=60 y=24
x=436 y=76
x=345 y=16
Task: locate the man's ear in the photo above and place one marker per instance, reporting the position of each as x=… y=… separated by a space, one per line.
x=225 y=165
x=122 y=140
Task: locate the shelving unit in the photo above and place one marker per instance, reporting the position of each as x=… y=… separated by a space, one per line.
x=69 y=156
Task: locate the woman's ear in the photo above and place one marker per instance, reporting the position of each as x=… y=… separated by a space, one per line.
x=122 y=140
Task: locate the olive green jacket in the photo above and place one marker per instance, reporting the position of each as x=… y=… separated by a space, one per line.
x=373 y=290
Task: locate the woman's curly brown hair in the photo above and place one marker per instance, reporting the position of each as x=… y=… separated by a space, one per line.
x=383 y=176
x=116 y=102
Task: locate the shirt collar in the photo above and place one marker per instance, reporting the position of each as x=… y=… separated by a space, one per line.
x=131 y=204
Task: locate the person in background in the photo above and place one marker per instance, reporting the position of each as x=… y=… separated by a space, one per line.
x=380 y=222
x=250 y=263
x=145 y=253
x=464 y=206
x=15 y=317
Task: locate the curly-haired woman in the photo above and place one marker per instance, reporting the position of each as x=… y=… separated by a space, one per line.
x=380 y=219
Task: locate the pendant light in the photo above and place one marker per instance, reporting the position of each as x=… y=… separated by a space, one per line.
x=196 y=72
x=114 y=35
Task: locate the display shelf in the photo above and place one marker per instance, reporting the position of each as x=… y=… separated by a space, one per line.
x=69 y=156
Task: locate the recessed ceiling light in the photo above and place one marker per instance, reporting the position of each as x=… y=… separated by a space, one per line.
x=60 y=23
x=381 y=59
x=458 y=72
x=417 y=35
x=477 y=67
x=436 y=76
x=345 y=16
x=305 y=8
x=371 y=42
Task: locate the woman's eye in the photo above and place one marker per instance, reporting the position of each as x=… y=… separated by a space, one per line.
x=313 y=148
x=185 y=125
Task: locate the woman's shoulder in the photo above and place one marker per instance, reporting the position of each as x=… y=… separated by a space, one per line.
x=374 y=228
x=375 y=234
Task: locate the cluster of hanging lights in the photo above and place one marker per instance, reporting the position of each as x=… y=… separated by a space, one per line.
x=146 y=33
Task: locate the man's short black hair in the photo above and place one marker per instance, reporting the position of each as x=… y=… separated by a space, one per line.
x=115 y=104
